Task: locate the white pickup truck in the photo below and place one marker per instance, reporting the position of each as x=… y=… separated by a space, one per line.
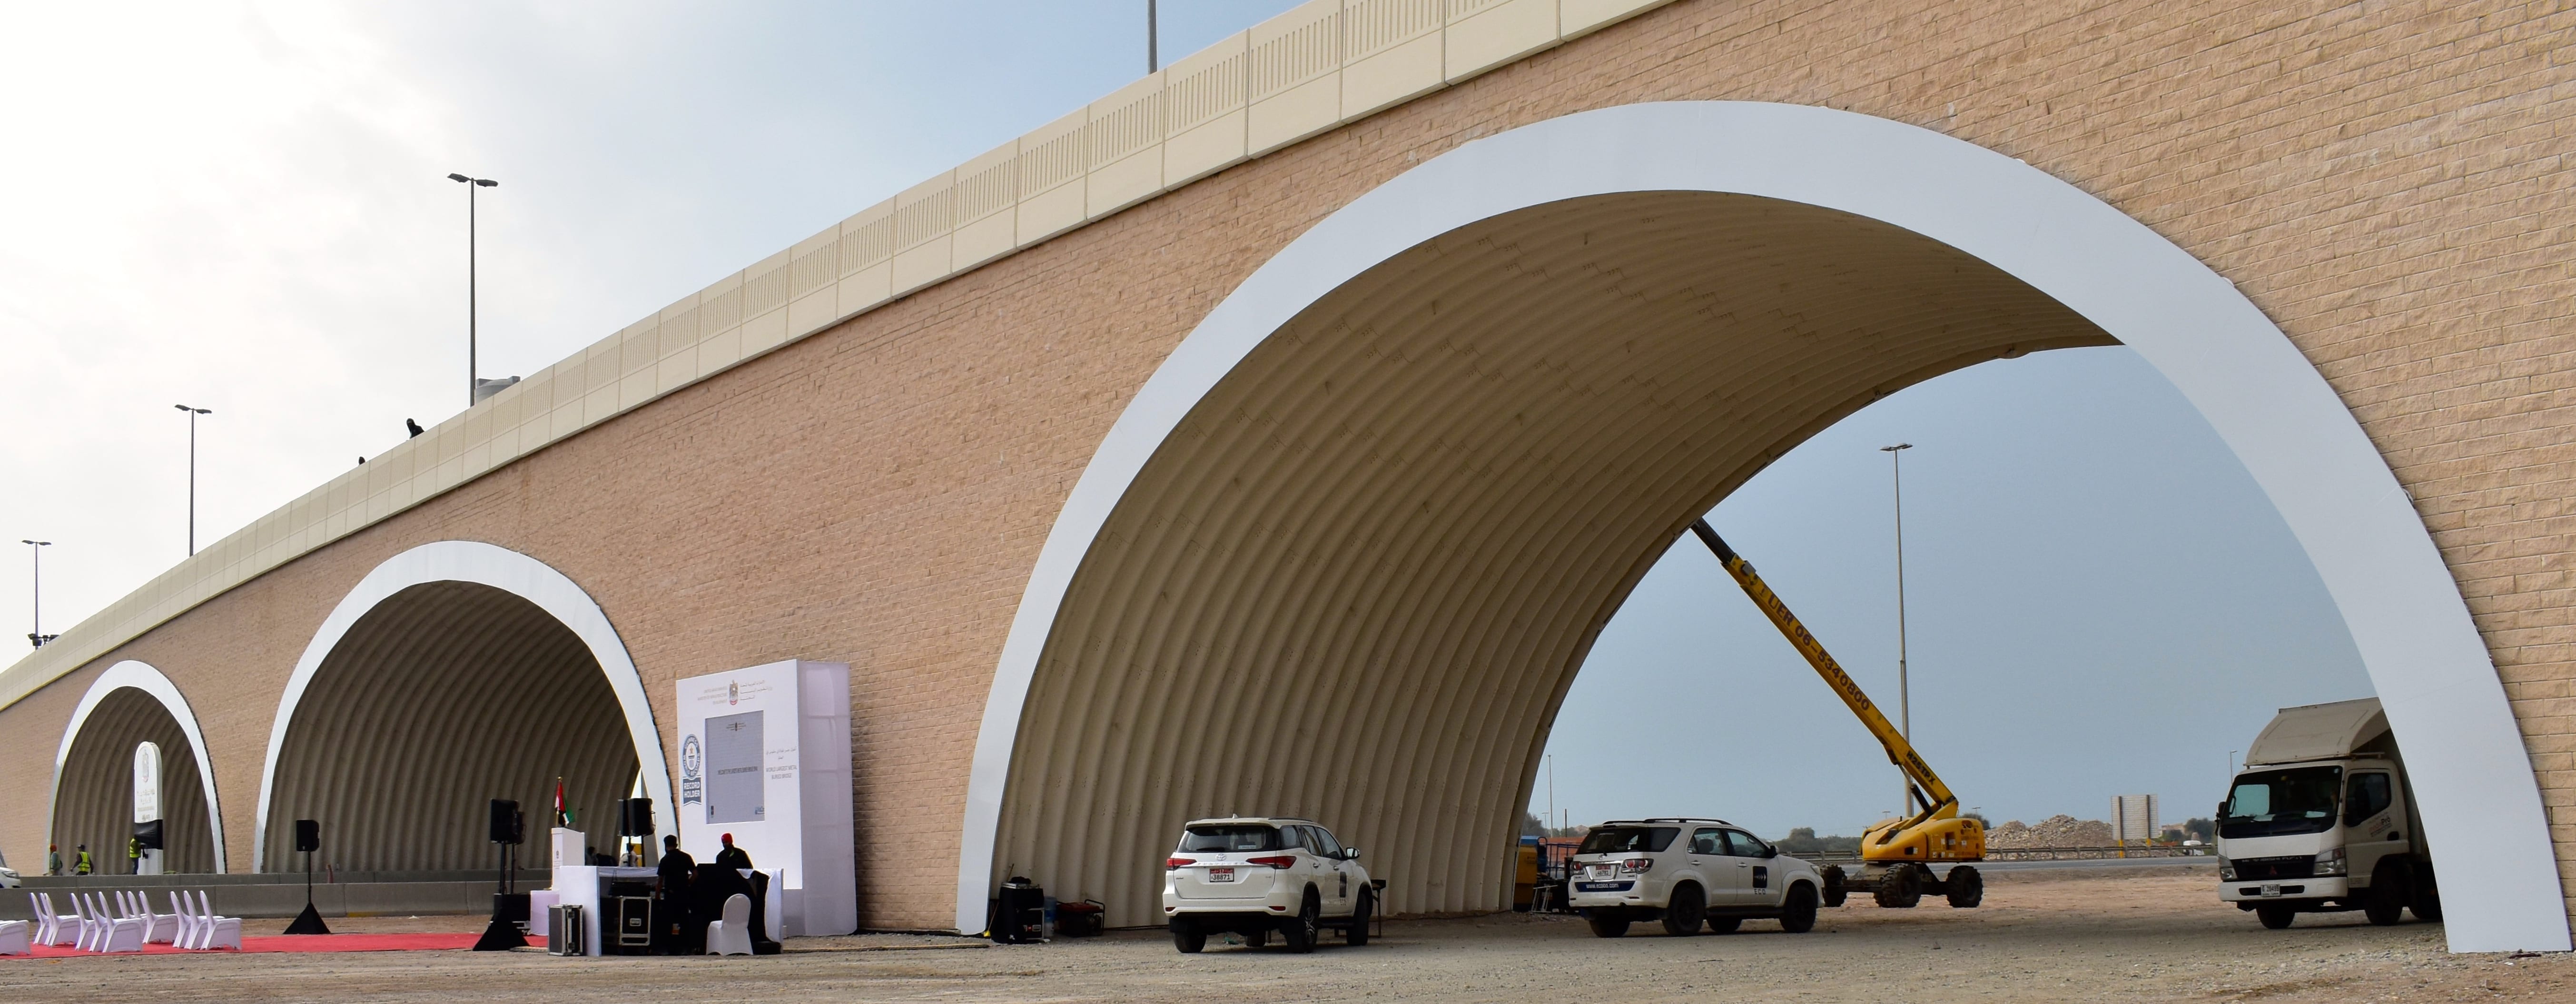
x=2321 y=819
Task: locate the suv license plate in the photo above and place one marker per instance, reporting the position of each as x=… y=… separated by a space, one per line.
x=2271 y=888
x=1227 y=875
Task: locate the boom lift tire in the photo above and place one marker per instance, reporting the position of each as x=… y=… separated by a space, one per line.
x=1967 y=887
x=2390 y=890
x=1607 y=925
x=1901 y=889
x=1837 y=888
x=1724 y=925
x=1798 y=916
x=1688 y=909
x=2275 y=916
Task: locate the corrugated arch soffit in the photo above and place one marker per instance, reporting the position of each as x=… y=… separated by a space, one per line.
x=498 y=568
x=1927 y=196
x=142 y=677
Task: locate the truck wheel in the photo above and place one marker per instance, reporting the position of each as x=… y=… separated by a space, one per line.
x=1724 y=925
x=1901 y=888
x=2275 y=916
x=1967 y=887
x=1836 y=889
x=2390 y=889
x=1303 y=930
x=1688 y=908
x=2427 y=906
x=1606 y=924
x=1187 y=937
x=1798 y=915
x=1358 y=933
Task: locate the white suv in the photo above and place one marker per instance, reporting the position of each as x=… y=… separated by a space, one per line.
x=1252 y=876
x=1686 y=872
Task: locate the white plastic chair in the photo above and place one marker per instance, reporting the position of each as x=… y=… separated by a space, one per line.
x=731 y=934
x=14 y=938
x=183 y=923
x=53 y=927
x=158 y=928
x=92 y=926
x=213 y=931
x=117 y=934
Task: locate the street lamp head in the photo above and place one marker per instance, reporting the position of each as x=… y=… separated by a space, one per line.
x=1899 y=446
x=487 y=183
x=458 y=177
x=38 y=543
x=199 y=411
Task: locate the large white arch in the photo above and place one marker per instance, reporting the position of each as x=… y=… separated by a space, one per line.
x=142 y=676
x=508 y=571
x=2425 y=657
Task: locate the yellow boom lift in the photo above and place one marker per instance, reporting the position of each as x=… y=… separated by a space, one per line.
x=1902 y=859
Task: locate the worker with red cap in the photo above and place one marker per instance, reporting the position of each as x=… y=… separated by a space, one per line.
x=732 y=856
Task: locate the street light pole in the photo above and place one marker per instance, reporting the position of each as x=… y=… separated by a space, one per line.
x=192 y=472
x=1904 y=698
x=470 y=311
x=36 y=612
x=1153 y=26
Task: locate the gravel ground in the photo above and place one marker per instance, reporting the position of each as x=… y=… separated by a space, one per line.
x=2052 y=936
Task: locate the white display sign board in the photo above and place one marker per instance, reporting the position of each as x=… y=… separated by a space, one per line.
x=147 y=800
x=765 y=756
x=2133 y=818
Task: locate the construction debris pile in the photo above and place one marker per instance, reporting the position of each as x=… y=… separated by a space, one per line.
x=2054 y=831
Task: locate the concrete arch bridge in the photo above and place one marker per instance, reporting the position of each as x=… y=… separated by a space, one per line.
x=1281 y=429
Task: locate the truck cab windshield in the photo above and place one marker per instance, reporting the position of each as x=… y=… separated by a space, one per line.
x=2277 y=802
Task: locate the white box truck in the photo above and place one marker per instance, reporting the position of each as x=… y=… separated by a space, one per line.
x=2321 y=819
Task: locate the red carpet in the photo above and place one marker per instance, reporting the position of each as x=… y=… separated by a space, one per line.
x=300 y=943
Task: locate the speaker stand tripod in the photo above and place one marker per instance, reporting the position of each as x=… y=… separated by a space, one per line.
x=503 y=934
x=310 y=921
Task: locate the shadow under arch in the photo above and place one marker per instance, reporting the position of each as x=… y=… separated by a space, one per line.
x=1345 y=550
x=93 y=791
x=454 y=673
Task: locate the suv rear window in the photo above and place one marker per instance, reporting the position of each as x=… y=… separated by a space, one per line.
x=1616 y=839
x=1239 y=837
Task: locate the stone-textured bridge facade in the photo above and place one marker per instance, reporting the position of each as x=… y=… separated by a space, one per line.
x=857 y=450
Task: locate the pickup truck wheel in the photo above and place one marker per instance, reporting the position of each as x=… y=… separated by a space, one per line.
x=1187 y=937
x=1688 y=908
x=1901 y=888
x=1798 y=915
x=1606 y=924
x=1967 y=887
x=2274 y=916
x=1358 y=933
x=1836 y=889
x=1303 y=930
x=2390 y=889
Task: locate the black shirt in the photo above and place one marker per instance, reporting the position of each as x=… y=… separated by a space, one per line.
x=733 y=857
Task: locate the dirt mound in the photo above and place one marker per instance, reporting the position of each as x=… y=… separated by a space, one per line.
x=2054 y=831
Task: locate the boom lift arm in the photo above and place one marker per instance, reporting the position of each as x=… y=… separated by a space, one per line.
x=1934 y=832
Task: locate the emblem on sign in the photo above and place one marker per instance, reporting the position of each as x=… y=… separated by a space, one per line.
x=692 y=782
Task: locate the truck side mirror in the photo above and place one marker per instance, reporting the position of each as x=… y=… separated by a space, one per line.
x=1770 y=852
x=1350 y=854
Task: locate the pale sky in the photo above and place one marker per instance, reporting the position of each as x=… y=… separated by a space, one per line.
x=245 y=208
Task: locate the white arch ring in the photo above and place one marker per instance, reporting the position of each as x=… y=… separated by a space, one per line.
x=143 y=677
x=508 y=571
x=2425 y=656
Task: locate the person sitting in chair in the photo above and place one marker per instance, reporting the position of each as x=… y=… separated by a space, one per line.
x=732 y=856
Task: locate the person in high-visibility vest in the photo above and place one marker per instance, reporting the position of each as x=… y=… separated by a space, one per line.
x=134 y=855
x=80 y=860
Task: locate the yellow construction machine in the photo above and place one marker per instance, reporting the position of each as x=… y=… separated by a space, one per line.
x=1902 y=859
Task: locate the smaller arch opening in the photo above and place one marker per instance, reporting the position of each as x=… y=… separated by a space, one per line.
x=443 y=696
x=94 y=796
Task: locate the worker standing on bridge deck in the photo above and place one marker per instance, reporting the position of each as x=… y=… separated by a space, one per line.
x=134 y=855
x=80 y=859
x=53 y=859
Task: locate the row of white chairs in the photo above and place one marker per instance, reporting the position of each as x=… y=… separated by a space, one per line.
x=91 y=927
